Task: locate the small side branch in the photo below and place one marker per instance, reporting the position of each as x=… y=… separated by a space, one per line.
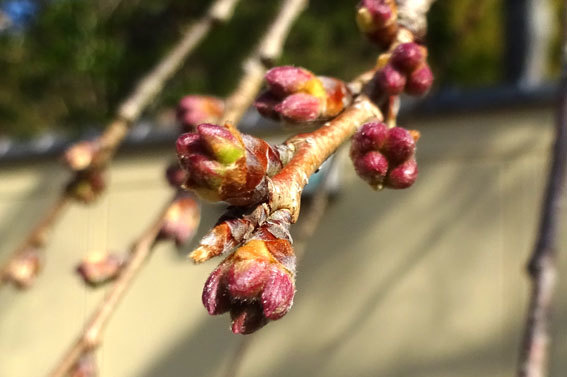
x=542 y=265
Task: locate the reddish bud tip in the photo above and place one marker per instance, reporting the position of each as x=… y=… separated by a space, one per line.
x=100 y=267
x=247 y=318
x=287 y=79
x=370 y=136
x=245 y=279
x=372 y=167
x=403 y=175
x=193 y=110
x=399 y=145
x=265 y=104
x=299 y=107
x=373 y=14
x=406 y=57
x=221 y=143
x=277 y=297
x=389 y=81
x=187 y=144
x=215 y=297
x=419 y=81
x=181 y=220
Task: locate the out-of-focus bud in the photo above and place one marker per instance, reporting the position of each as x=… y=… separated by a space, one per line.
x=87 y=187
x=193 y=110
x=256 y=282
x=23 y=269
x=85 y=366
x=80 y=156
x=181 y=220
x=399 y=145
x=377 y=19
x=406 y=57
x=389 y=82
x=385 y=157
x=419 y=81
x=224 y=165
x=403 y=175
x=298 y=96
x=175 y=175
x=100 y=267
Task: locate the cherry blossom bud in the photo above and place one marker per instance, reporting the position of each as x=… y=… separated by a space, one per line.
x=80 y=156
x=181 y=220
x=389 y=81
x=419 y=81
x=247 y=319
x=299 y=107
x=23 y=269
x=221 y=143
x=370 y=136
x=100 y=267
x=193 y=110
x=215 y=295
x=285 y=80
x=399 y=145
x=406 y=57
x=372 y=167
x=403 y=175
x=277 y=296
x=377 y=20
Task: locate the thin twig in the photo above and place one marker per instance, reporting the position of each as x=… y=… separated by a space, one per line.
x=542 y=265
x=128 y=112
x=91 y=336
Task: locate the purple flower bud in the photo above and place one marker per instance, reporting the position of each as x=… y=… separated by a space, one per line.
x=181 y=220
x=187 y=144
x=389 y=81
x=195 y=109
x=373 y=14
x=245 y=279
x=403 y=175
x=399 y=145
x=221 y=143
x=215 y=297
x=419 y=81
x=287 y=79
x=265 y=104
x=277 y=297
x=406 y=57
x=175 y=175
x=372 y=167
x=370 y=136
x=247 y=318
x=100 y=267
x=299 y=107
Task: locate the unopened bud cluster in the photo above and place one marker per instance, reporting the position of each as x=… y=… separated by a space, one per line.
x=406 y=70
x=256 y=282
x=296 y=95
x=385 y=157
x=377 y=19
x=225 y=165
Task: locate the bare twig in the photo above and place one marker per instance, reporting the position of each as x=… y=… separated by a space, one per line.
x=128 y=112
x=542 y=265
x=91 y=336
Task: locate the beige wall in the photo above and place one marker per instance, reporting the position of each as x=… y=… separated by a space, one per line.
x=425 y=282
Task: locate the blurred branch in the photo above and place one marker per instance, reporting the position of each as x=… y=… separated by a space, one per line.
x=90 y=338
x=542 y=265
x=128 y=112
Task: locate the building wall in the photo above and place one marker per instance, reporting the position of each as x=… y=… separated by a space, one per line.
x=426 y=282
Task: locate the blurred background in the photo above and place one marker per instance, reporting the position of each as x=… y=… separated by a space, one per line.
x=421 y=282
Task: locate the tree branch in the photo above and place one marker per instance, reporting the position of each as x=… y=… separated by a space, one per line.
x=542 y=265
x=128 y=112
x=91 y=336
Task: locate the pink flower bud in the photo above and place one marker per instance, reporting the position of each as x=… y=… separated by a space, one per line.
x=215 y=296
x=187 y=144
x=299 y=107
x=287 y=79
x=221 y=143
x=377 y=20
x=403 y=175
x=372 y=167
x=265 y=104
x=406 y=57
x=181 y=220
x=399 y=145
x=419 y=81
x=195 y=109
x=370 y=136
x=23 y=269
x=245 y=279
x=389 y=81
x=277 y=297
x=100 y=267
